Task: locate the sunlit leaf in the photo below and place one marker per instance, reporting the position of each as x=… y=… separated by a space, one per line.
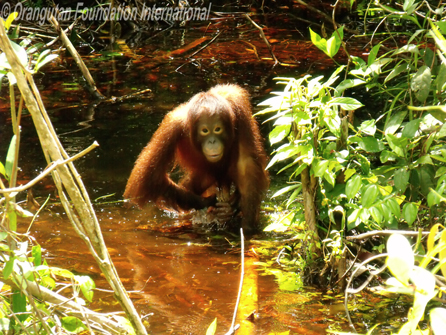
x=286 y=189
x=2 y=169
x=279 y=133
x=421 y=83
x=411 y=128
x=438 y=320
x=443 y=253
x=376 y=214
x=373 y=54
x=424 y=282
x=346 y=103
x=37 y=255
x=397 y=144
x=387 y=156
x=347 y=83
x=19 y=51
x=72 y=324
x=19 y=305
x=395 y=122
x=320 y=168
x=400 y=260
x=370 y=195
x=364 y=163
x=352 y=186
x=12 y=217
x=212 y=328
x=9 y=266
x=10 y=18
x=368 y=127
x=48 y=282
x=10 y=157
x=409 y=6
x=4 y=324
x=44 y=61
x=87 y=286
x=431 y=238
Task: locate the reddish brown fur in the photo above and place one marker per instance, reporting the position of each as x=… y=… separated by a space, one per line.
x=175 y=143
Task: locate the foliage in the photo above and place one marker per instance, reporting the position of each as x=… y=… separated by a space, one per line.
x=418 y=281
x=384 y=172
x=379 y=173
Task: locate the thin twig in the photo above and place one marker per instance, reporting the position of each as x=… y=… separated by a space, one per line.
x=80 y=63
x=52 y=166
x=206 y=45
x=347 y=290
x=262 y=34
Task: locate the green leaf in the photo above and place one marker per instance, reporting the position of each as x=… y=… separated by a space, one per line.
x=352 y=186
x=318 y=41
x=387 y=212
x=72 y=324
x=387 y=156
x=368 y=127
x=395 y=122
x=346 y=103
x=364 y=163
x=370 y=195
x=376 y=214
x=401 y=179
x=411 y=128
x=279 y=133
x=320 y=167
x=370 y=144
x=347 y=83
x=12 y=217
x=87 y=286
x=9 y=266
x=394 y=207
x=373 y=53
x=433 y=198
x=401 y=258
x=44 y=61
x=19 y=305
x=2 y=169
x=410 y=211
x=330 y=47
x=397 y=144
x=409 y=6
x=212 y=328
x=396 y=71
x=37 y=255
x=286 y=189
x=440 y=81
x=10 y=157
x=421 y=83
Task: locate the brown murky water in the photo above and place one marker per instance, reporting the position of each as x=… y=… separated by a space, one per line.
x=180 y=277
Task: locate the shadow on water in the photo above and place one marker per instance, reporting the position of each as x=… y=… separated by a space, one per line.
x=179 y=276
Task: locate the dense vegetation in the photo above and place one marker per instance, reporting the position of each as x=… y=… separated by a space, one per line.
x=358 y=170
